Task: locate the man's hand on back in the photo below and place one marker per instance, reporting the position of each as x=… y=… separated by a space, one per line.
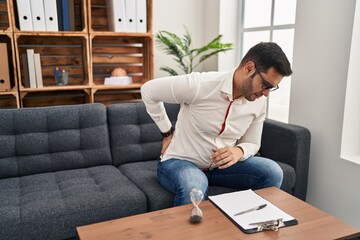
x=165 y=143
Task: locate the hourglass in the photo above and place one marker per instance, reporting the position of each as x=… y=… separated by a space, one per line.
x=196 y=214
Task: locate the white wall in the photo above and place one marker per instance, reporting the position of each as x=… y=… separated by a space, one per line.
x=201 y=17
x=321 y=57
x=172 y=16
x=350 y=149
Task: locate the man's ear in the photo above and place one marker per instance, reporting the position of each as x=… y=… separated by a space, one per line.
x=250 y=68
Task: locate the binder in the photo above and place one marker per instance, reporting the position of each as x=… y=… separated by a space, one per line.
x=130 y=14
x=71 y=8
x=38 y=15
x=51 y=17
x=141 y=23
x=116 y=15
x=24 y=13
x=59 y=14
x=26 y=81
x=65 y=15
x=4 y=68
x=31 y=67
x=38 y=73
x=246 y=210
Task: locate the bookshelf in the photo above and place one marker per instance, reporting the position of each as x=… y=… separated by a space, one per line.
x=9 y=96
x=90 y=53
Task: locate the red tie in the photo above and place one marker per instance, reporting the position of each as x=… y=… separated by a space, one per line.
x=226 y=115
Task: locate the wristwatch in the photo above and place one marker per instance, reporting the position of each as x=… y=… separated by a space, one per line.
x=168 y=133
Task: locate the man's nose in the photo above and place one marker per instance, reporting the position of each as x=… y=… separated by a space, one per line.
x=265 y=92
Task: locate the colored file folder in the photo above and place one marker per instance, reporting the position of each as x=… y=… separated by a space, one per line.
x=4 y=68
x=51 y=17
x=65 y=15
x=38 y=15
x=24 y=13
x=71 y=15
x=25 y=70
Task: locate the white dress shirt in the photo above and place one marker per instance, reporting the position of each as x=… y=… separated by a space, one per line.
x=204 y=100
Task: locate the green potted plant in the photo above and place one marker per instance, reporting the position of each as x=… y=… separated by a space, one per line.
x=187 y=57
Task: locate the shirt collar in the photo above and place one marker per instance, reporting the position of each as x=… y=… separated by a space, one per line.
x=227 y=88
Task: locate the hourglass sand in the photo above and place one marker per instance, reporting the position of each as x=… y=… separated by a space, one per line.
x=196 y=214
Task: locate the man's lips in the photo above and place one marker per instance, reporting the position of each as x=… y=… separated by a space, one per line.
x=258 y=95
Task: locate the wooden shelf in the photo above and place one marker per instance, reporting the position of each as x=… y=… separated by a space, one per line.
x=5 y=18
x=114 y=87
x=10 y=93
x=56 y=97
x=133 y=54
x=9 y=99
x=66 y=51
x=55 y=88
x=90 y=53
x=7 y=38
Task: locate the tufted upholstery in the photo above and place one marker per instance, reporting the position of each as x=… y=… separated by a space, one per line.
x=289 y=145
x=134 y=135
x=45 y=205
x=56 y=173
x=38 y=140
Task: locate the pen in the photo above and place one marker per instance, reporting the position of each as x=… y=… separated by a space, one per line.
x=251 y=209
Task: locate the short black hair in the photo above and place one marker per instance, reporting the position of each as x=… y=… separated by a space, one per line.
x=266 y=55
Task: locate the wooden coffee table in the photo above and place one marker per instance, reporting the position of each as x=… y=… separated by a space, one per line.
x=173 y=223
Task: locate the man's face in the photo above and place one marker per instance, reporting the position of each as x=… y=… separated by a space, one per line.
x=260 y=84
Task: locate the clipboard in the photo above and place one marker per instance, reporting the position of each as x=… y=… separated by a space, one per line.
x=268 y=218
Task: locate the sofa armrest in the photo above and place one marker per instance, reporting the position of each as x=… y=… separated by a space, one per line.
x=290 y=144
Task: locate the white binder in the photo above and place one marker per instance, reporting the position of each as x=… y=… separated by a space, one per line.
x=38 y=73
x=51 y=18
x=38 y=16
x=141 y=25
x=130 y=13
x=31 y=67
x=24 y=13
x=116 y=15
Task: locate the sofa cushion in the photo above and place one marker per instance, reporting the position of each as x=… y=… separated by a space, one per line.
x=134 y=136
x=47 y=139
x=144 y=175
x=289 y=179
x=51 y=205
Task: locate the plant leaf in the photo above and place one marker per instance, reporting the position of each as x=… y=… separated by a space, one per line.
x=169 y=70
x=172 y=45
x=187 y=57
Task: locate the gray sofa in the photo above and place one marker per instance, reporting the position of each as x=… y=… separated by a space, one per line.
x=67 y=166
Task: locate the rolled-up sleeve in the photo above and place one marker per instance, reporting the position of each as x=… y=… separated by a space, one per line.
x=250 y=142
x=176 y=89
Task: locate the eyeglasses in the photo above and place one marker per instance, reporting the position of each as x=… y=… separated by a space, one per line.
x=266 y=85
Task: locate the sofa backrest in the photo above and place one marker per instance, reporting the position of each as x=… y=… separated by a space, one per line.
x=134 y=136
x=46 y=139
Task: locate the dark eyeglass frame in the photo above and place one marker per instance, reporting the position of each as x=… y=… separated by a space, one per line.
x=266 y=85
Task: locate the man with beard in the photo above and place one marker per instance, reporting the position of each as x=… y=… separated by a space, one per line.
x=219 y=126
